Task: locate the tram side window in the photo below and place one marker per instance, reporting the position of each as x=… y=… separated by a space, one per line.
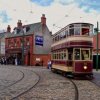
x=85 y=54
x=77 y=31
x=71 y=31
x=91 y=54
x=85 y=31
x=77 y=54
x=70 y=54
x=64 y=55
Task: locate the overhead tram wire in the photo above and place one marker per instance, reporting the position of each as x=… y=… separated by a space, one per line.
x=66 y=15
x=30 y=13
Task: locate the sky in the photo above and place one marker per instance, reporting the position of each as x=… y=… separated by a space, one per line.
x=59 y=13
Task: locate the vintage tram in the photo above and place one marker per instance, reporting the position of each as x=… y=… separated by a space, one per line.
x=72 y=49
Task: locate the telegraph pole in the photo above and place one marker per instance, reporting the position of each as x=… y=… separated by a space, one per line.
x=97 y=47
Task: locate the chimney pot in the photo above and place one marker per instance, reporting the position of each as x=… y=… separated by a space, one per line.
x=8 y=28
x=19 y=24
x=43 y=19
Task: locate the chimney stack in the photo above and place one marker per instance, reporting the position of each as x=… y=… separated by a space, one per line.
x=43 y=19
x=19 y=24
x=8 y=29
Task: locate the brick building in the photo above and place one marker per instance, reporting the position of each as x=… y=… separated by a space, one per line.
x=32 y=40
x=95 y=49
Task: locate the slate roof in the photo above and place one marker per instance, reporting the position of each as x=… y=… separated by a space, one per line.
x=30 y=29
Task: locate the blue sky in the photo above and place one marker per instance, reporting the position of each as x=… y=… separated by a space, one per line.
x=43 y=2
x=30 y=11
x=90 y=4
x=5 y=18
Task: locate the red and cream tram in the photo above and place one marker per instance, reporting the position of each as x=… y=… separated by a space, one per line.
x=72 y=49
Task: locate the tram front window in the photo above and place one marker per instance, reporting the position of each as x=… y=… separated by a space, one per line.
x=85 y=54
x=77 y=54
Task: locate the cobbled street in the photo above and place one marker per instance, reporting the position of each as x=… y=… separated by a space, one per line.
x=38 y=83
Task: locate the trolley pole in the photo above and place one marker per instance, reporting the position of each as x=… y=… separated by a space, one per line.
x=97 y=47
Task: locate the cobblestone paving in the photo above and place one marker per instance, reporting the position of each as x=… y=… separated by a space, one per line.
x=51 y=86
x=87 y=90
x=30 y=78
x=7 y=77
x=55 y=87
x=97 y=76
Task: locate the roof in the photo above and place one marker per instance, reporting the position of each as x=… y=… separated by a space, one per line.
x=69 y=25
x=29 y=29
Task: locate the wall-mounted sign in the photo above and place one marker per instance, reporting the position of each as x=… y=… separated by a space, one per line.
x=39 y=40
x=37 y=59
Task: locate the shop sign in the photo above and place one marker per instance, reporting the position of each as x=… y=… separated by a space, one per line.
x=39 y=40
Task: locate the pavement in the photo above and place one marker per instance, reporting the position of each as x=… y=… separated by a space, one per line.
x=96 y=75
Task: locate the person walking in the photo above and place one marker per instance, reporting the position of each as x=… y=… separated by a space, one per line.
x=49 y=64
x=16 y=62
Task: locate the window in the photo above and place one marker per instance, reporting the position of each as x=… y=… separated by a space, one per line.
x=77 y=31
x=66 y=32
x=85 y=31
x=71 y=31
x=27 y=28
x=71 y=26
x=70 y=54
x=77 y=54
x=85 y=54
x=91 y=54
x=15 y=42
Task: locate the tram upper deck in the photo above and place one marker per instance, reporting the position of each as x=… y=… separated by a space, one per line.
x=75 y=32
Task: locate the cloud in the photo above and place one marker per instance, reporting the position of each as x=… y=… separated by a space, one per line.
x=4 y=17
x=58 y=12
x=65 y=2
x=42 y=2
x=90 y=4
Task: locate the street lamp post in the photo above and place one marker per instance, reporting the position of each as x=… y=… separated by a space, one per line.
x=96 y=30
x=23 y=48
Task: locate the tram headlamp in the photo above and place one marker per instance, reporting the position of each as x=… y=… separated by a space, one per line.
x=85 y=67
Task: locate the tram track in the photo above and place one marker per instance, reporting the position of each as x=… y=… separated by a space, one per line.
x=94 y=82
x=14 y=82
x=13 y=90
x=74 y=84
x=26 y=91
x=76 y=89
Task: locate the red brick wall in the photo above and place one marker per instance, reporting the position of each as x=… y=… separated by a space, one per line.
x=12 y=46
x=32 y=61
x=95 y=41
x=41 y=57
